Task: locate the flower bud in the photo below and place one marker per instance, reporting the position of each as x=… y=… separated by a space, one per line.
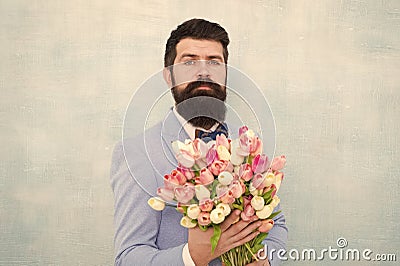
x=156 y=203
x=187 y=222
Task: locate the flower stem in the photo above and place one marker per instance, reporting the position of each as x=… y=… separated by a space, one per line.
x=249 y=249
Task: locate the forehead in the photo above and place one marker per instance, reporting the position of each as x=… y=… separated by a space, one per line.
x=198 y=47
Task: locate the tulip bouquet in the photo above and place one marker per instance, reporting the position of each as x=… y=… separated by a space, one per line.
x=214 y=178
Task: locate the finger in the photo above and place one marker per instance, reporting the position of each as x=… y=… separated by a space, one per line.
x=237 y=236
x=231 y=219
x=239 y=226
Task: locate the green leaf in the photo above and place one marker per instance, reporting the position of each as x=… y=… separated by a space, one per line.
x=260 y=238
x=273 y=215
x=214 y=189
x=236 y=206
x=215 y=237
x=203 y=228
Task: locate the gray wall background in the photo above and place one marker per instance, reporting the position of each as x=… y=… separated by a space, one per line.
x=330 y=70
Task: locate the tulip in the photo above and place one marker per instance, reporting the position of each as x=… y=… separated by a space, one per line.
x=188 y=173
x=245 y=172
x=221 y=140
x=236 y=188
x=247 y=213
x=225 y=178
x=269 y=179
x=217 y=167
x=156 y=203
x=184 y=193
x=253 y=191
x=260 y=163
x=265 y=212
x=226 y=209
x=257 y=203
x=185 y=158
x=223 y=153
x=187 y=222
x=256 y=146
x=275 y=201
x=178 y=176
x=258 y=181
x=165 y=193
x=278 y=180
x=243 y=130
x=278 y=163
x=221 y=189
x=206 y=205
x=201 y=192
x=227 y=197
x=211 y=155
x=236 y=158
x=266 y=225
x=204 y=218
x=217 y=216
x=193 y=211
x=200 y=149
x=205 y=177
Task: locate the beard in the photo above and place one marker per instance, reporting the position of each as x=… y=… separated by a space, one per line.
x=201 y=108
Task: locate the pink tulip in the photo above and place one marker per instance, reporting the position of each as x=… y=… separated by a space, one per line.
x=179 y=176
x=204 y=218
x=188 y=173
x=222 y=140
x=170 y=182
x=260 y=163
x=266 y=225
x=273 y=187
x=206 y=205
x=247 y=213
x=217 y=167
x=258 y=181
x=227 y=197
x=245 y=172
x=211 y=155
x=205 y=178
x=199 y=148
x=243 y=130
x=278 y=163
x=256 y=146
x=185 y=158
x=185 y=193
x=165 y=194
x=236 y=188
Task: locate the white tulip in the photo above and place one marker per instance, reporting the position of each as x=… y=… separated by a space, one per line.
x=269 y=179
x=275 y=201
x=236 y=159
x=225 y=178
x=223 y=153
x=265 y=212
x=226 y=209
x=193 y=211
x=187 y=222
x=201 y=192
x=253 y=190
x=156 y=203
x=217 y=216
x=257 y=203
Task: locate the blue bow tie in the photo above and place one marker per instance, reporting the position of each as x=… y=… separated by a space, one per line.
x=208 y=136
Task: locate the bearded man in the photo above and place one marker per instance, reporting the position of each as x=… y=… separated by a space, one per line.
x=195 y=61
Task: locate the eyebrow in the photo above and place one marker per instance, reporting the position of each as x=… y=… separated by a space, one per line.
x=196 y=56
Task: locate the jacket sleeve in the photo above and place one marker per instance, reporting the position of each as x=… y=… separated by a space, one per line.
x=136 y=225
x=277 y=238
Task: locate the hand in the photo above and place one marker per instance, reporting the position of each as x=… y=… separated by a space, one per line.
x=233 y=234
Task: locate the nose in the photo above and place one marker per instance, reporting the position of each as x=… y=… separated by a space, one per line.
x=203 y=71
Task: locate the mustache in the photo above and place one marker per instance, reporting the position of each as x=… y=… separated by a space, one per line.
x=202 y=83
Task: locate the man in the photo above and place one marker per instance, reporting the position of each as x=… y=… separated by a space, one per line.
x=195 y=58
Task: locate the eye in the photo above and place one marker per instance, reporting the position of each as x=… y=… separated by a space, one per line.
x=213 y=62
x=189 y=63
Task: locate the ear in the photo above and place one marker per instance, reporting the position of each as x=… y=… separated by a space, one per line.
x=167 y=76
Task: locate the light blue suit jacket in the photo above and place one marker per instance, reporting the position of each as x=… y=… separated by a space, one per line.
x=144 y=236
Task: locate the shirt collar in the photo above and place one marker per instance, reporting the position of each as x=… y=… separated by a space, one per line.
x=189 y=128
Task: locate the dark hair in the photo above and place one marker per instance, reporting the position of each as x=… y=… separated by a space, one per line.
x=199 y=29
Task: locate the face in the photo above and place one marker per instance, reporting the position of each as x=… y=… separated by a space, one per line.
x=199 y=70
